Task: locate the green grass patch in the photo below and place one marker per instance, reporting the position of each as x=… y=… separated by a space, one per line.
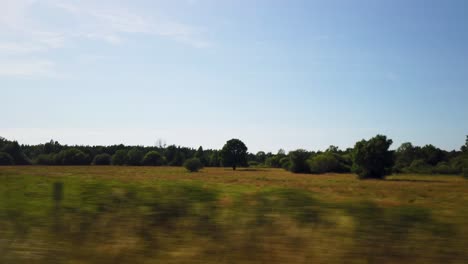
x=96 y=215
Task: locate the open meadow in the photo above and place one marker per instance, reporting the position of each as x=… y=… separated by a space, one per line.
x=112 y=214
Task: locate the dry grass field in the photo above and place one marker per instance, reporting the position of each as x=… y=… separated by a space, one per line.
x=92 y=214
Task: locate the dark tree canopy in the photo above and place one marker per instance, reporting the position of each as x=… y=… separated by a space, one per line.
x=51 y=147
x=102 y=159
x=153 y=158
x=408 y=158
x=328 y=162
x=16 y=152
x=72 y=156
x=134 y=157
x=298 y=161
x=260 y=157
x=6 y=159
x=432 y=155
x=465 y=147
x=332 y=149
x=273 y=162
x=214 y=159
x=120 y=157
x=372 y=159
x=200 y=154
x=234 y=153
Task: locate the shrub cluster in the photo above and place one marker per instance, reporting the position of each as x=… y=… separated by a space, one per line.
x=193 y=165
x=328 y=162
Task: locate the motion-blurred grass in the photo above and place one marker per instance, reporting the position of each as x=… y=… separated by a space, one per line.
x=166 y=215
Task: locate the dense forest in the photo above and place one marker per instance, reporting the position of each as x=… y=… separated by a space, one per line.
x=407 y=158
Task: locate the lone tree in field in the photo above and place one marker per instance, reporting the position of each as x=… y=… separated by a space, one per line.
x=372 y=159
x=193 y=164
x=234 y=153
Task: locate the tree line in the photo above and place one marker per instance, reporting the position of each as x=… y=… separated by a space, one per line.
x=368 y=158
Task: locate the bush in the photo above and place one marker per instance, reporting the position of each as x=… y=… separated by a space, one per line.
x=253 y=163
x=6 y=159
x=465 y=173
x=193 y=165
x=444 y=168
x=372 y=159
x=72 y=156
x=285 y=163
x=153 y=158
x=458 y=163
x=298 y=159
x=326 y=162
x=272 y=162
x=420 y=166
x=46 y=159
x=102 y=159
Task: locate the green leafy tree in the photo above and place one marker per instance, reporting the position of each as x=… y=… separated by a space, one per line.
x=119 y=157
x=260 y=157
x=284 y=162
x=298 y=161
x=52 y=147
x=174 y=156
x=465 y=147
x=134 y=157
x=372 y=158
x=3 y=142
x=273 y=162
x=332 y=149
x=459 y=162
x=200 y=154
x=214 y=159
x=193 y=165
x=102 y=159
x=420 y=166
x=178 y=160
x=327 y=162
x=46 y=159
x=234 y=153
x=153 y=158
x=281 y=153
x=444 y=167
x=72 y=156
x=432 y=154
x=404 y=156
x=16 y=152
x=6 y=159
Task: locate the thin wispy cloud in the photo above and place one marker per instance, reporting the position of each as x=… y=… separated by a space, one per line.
x=25 y=31
x=29 y=68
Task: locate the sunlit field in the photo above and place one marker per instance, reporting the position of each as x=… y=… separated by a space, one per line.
x=93 y=214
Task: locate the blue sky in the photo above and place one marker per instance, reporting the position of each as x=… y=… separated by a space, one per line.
x=276 y=74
